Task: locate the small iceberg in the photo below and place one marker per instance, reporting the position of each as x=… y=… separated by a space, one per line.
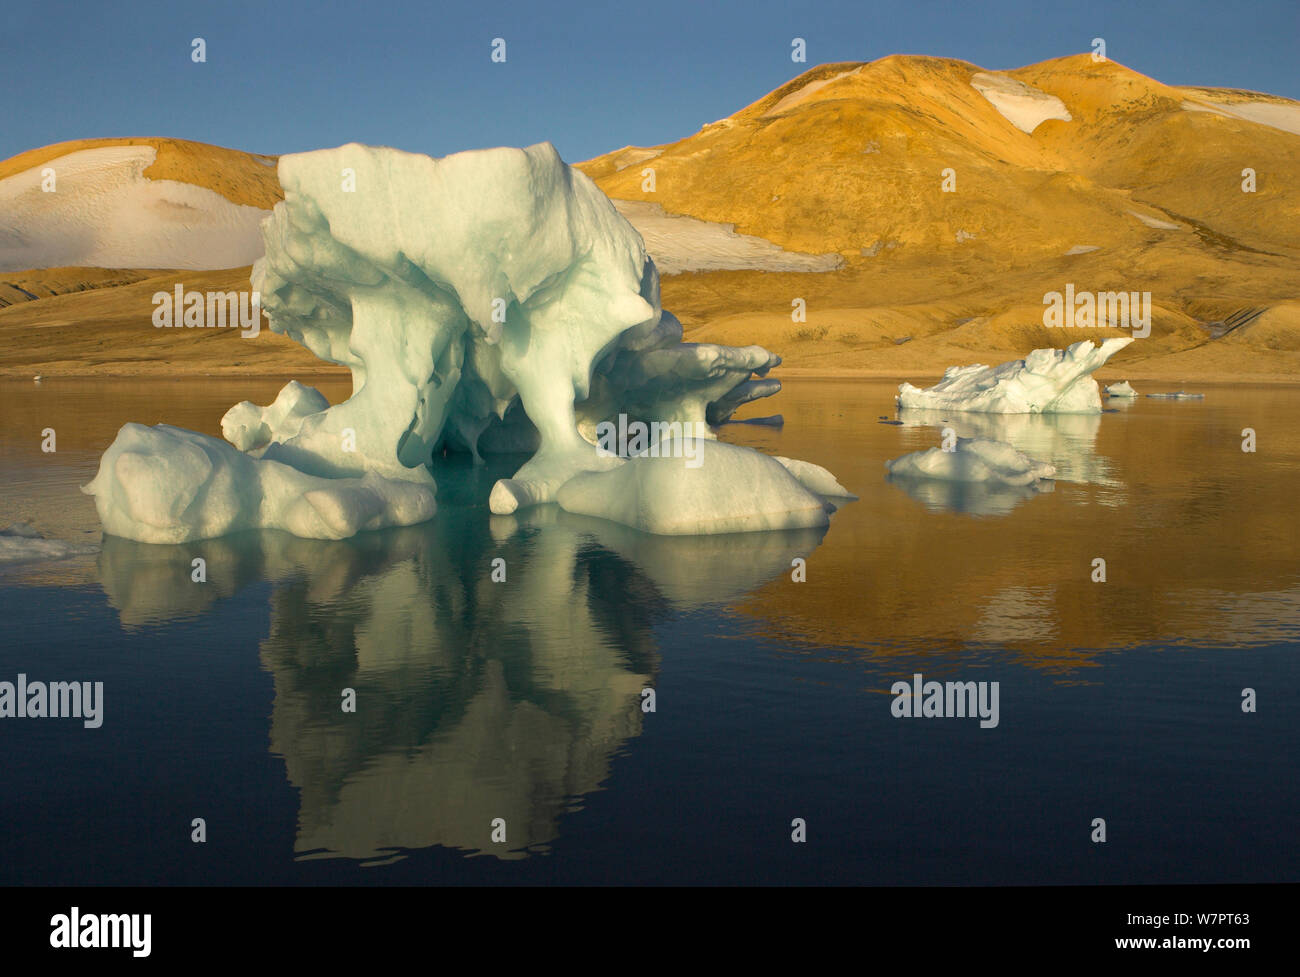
x=1121 y=389
x=980 y=477
x=973 y=460
x=1046 y=381
x=1177 y=395
x=1067 y=441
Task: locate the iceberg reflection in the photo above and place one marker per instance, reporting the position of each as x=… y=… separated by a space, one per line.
x=969 y=498
x=475 y=700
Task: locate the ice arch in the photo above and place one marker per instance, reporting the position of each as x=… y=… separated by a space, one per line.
x=492 y=299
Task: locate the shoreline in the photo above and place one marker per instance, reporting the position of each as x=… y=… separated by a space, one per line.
x=920 y=378
x=929 y=379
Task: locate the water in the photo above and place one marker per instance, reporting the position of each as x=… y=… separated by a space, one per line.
x=522 y=700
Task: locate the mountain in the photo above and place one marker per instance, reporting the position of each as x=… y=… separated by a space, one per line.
x=830 y=189
x=1069 y=171
x=850 y=155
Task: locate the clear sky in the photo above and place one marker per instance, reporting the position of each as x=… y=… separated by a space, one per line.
x=291 y=75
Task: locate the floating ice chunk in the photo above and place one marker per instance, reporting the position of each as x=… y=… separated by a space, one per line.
x=1066 y=441
x=1121 y=389
x=1177 y=395
x=731 y=490
x=973 y=460
x=980 y=477
x=22 y=543
x=249 y=427
x=1045 y=381
x=166 y=485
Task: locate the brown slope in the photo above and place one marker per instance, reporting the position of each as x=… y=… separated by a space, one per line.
x=109 y=332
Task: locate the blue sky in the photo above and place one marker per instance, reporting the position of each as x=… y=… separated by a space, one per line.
x=288 y=75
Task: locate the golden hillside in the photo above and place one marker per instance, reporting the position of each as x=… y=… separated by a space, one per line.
x=845 y=156
x=1141 y=189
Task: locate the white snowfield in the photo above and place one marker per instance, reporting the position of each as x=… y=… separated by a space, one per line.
x=1123 y=389
x=489 y=299
x=805 y=92
x=103 y=212
x=1024 y=106
x=1283 y=115
x=678 y=243
x=973 y=460
x=1045 y=381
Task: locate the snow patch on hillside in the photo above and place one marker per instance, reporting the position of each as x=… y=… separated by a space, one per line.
x=1275 y=114
x=1023 y=106
x=1155 y=222
x=678 y=243
x=802 y=94
x=105 y=213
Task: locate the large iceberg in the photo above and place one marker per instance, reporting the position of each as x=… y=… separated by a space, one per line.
x=492 y=300
x=1046 y=381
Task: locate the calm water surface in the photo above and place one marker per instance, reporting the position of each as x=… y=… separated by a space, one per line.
x=522 y=700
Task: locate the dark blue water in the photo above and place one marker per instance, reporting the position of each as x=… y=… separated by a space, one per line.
x=522 y=700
